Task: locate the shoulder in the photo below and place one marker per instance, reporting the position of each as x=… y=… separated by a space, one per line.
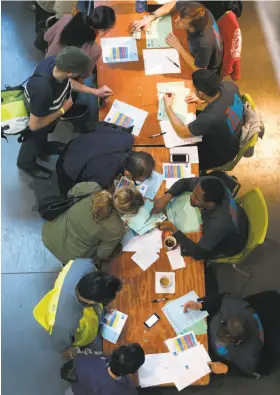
x=114 y=224
x=94 y=50
x=84 y=187
x=229 y=86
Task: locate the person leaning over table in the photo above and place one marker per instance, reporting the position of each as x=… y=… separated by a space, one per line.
x=99 y=375
x=72 y=311
x=236 y=334
x=224 y=223
x=205 y=42
x=219 y=123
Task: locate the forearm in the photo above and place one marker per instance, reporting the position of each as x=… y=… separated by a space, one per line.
x=192 y=249
x=166 y=9
x=181 y=129
x=42 y=122
x=211 y=303
x=188 y=58
x=78 y=87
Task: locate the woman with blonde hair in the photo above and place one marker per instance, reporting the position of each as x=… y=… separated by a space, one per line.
x=92 y=227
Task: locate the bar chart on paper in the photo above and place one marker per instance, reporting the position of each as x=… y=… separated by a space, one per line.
x=119 y=49
x=112 y=325
x=121 y=119
x=181 y=343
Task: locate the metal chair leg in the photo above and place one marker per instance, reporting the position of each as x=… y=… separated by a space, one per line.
x=241 y=271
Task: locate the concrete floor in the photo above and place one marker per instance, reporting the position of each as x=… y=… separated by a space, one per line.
x=29 y=367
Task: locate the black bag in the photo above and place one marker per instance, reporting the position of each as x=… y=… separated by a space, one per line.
x=50 y=207
x=68 y=372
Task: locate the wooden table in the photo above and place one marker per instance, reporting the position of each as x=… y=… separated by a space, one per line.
x=139 y=288
x=128 y=80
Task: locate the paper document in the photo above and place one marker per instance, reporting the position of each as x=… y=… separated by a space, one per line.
x=185 y=217
x=171 y=139
x=153 y=184
x=156 y=61
x=179 y=106
x=151 y=240
x=145 y=258
x=155 y=370
x=168 y=290
x=119 y=50
x=158 y=30
x=112 y=326
x=200 y=328
x=176 y=170
x=144 y=221
x=125 y=115
x=181 y=343
x=125 y=182
x=179 y=320
x=175 y=258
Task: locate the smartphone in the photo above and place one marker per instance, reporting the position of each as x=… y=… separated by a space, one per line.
x=179 y=158
x=151 y=321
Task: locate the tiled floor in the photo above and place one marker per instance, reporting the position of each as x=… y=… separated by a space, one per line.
x=29 y=367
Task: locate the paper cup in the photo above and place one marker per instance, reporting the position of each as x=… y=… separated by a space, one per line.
x=170 y=242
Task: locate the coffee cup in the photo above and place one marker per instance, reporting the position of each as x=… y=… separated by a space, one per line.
x=165 y=281
x=170 y=243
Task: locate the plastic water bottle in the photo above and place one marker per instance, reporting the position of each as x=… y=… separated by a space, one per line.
x=141 y=6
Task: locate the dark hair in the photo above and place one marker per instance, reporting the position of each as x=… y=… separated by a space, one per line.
x=198 y=15
x=140 y=164
x=236 y=329
x=81 y=29
x=213 y=188
x=206 y=81
x=99 y=287
x=127 y=359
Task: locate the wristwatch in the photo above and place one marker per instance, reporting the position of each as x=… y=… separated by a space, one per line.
x=62 y=111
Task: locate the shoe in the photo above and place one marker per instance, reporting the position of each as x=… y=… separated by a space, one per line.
x=38 y=172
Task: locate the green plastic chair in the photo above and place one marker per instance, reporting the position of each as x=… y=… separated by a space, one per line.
x=251 y=143
x=254 y=205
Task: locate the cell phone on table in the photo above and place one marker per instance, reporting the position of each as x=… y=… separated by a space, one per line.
x=177 y=158
x=151 y=321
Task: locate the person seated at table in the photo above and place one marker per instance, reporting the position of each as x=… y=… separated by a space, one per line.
x=108 y=375
x=72 y=311
x=219 y=123
x=204 y=39
x=243 y=333
x=81 y=31
x=224 y=222
x=92 y=227
x=101 y=156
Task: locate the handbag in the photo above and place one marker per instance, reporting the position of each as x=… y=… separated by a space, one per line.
x=50 y=207
x=68 y=372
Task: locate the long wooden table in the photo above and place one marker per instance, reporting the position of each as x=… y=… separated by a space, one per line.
x=128 y=80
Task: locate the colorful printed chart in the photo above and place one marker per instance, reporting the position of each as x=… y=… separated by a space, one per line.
x=181 y=343
x=119 y=49
x=121 y=119
x=117 y=53
x=171 y=170
x=112 y=325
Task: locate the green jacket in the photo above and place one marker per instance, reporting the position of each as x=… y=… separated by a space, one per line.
x=75 y=234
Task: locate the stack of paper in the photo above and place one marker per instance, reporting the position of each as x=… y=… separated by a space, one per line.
x=181 y=343
x=125 y=115
x=153 y=184
x=119 y=50
x=171 y=139
x=161 y=61
x=112 y=325
x=158 y=30
x=155 y=370
x=179 y=105
x=175 y=258
x=172 y=172
x=125 y=182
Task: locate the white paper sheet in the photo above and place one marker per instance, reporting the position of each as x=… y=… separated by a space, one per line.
x=123 y=114
x=192 y=152
x=145 y=258
x=119 y=50
x=151 y=240
x=171 y=139
x=156 y=62
x=162 y=290
x=112 y=325
x=175 y=258
x=155 y=370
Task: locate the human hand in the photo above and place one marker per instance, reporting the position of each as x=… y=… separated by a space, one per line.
x=159 y=205
x=173 y=41
x=168 y=99
x=67 y=104
x=191 y=305
x=218 y=367
x=104 y=91
x=141 y=24
x=192 y=98
x=166 y=225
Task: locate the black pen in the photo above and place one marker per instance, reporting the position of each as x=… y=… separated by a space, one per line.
x=170 y=60
x=156 y=135
x=159 y=300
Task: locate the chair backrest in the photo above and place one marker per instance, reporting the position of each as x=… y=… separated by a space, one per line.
x=254 y=205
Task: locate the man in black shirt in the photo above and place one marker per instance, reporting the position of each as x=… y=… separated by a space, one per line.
x=224 y=223
x=219 y=123
x=48 y=97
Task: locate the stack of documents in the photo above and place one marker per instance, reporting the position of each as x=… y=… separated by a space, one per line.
x=112 y=325
x=172 y=172
x=179 y=106
x=156 y=370
x=158 y=30
x=161 y=61
x=175 y=258
x=119 y=50
x=181 y=343
x=171 y=139
x=148 y=189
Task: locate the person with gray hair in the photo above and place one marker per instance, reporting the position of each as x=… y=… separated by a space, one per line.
x=48 y=98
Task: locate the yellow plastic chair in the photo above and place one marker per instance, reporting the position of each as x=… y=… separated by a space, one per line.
x=251 y=143
x=254 y=205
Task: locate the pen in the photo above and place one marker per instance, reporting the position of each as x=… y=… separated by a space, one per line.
x=170 y=60
x=159 y=300
x=156 y=135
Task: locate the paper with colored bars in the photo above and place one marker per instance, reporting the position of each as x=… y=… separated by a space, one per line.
x=185 y=217
x=177 y=171
x=179 y=105
x=125 y=182
x=181 y=343
x=175 y=314
x=112 y=326
x=125 y=115
x=119 y=50
x=156 y=61
x=158 y=30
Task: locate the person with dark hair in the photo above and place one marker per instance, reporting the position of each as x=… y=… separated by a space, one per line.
x=224 y=223
x=101 y=156
x=48 y=97
x=236 y=333
x=72 y=311
x=99 y=375
x=219 y=123
x=81 y=31
x=204 y=39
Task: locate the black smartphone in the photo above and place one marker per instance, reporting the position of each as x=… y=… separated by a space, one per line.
x=179 y=158
x=151 y=321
